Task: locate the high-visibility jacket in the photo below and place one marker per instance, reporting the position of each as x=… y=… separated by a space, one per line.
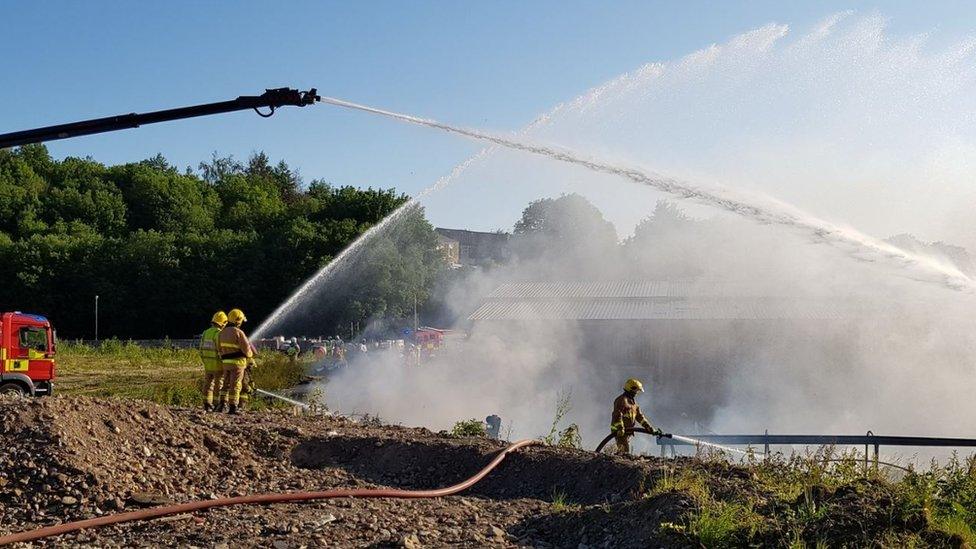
x=208 y=349
x=234 y=347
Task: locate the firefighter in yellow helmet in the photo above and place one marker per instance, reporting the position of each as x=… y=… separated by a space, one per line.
x=627 y=414
x=212 y=368
x=235 y=352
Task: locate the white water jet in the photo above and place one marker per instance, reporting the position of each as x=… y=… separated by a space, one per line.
x=350 y=252
x=696 y=442
x=765 y=210
x=356 y=247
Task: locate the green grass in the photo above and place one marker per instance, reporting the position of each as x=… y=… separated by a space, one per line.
x=716 y=523
x=720 y=523
x=801 y=499
x=165 y=376
x=688 y=481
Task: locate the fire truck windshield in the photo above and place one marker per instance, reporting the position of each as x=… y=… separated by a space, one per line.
x=33 y=338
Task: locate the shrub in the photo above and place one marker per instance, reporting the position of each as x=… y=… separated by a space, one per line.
x=469 y=428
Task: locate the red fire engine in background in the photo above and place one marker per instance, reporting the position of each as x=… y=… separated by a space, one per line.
x=27 y=347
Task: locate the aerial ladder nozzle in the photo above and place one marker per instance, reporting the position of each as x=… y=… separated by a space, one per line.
x=271 y=99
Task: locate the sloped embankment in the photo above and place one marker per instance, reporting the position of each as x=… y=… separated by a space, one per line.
x=74 y=458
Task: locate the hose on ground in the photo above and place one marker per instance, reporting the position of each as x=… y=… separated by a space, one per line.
x=199 y=505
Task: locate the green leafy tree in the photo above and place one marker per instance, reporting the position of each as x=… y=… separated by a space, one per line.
x=164 y=249
x=567 y=236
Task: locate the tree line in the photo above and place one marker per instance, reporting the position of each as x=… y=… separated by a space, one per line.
x=163 y=248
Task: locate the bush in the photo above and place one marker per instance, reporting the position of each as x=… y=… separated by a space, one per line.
x=570 y=438
x=469 y=428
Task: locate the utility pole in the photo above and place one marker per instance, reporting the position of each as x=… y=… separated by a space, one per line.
x=96 y=318
x=416 y=321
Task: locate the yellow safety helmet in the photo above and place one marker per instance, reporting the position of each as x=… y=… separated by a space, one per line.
x=632 y=385
x=236 y=316
x=219 y=318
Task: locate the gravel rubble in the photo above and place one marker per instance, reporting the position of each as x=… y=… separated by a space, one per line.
x=71 y=458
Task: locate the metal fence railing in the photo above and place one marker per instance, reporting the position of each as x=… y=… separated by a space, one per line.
x=870 y=441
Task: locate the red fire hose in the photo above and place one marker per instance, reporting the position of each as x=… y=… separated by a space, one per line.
x=157 y=512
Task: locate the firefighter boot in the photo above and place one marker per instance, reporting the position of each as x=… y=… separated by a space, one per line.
x=219 y=407
x=207 y=407
x=232 y=409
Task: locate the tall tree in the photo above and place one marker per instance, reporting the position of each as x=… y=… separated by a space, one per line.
x=567 y=237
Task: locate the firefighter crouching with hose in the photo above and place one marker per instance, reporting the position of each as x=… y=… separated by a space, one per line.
x=213 y=373
x=236 y=353
x=627 y=414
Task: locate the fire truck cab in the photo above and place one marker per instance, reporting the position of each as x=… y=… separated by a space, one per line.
x=27 y=347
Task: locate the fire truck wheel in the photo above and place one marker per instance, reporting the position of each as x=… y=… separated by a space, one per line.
x=11 y=388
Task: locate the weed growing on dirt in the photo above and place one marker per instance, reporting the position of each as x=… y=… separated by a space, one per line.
x=469 y=428
x=721 y=524
x=716 y=523
x=559 y=503
x=568 y=437
x=789 y=477
x=689 y=481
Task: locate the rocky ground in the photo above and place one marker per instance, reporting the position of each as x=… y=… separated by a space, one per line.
x=68 y=458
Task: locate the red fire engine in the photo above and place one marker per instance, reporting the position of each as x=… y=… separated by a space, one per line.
x=27 y=346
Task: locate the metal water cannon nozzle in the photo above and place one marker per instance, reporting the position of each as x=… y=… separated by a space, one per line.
x=311 y=97
x=278 y=97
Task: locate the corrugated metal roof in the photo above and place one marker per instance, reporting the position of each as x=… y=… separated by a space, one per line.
x=657 y=309
x=652 y=300
x=620 y=289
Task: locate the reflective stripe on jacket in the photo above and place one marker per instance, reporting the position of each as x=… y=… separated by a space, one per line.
x=208 y=349
x=234 y=347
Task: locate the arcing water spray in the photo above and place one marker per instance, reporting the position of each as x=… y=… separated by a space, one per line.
x=854 y=244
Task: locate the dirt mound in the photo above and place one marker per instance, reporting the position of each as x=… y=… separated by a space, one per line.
x=73 y=458
x=540 y=473
x=629 y=524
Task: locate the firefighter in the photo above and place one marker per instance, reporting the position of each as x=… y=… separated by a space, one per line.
x=627 y=414
x=212 y=370
x=235 y=351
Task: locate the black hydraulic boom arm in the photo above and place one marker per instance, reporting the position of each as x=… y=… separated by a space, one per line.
x=270 y=99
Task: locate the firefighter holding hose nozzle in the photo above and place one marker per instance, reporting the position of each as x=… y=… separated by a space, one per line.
x=627 y=414
x=236 y=353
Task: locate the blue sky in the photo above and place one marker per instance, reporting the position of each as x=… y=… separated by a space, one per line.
x=495 y=65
